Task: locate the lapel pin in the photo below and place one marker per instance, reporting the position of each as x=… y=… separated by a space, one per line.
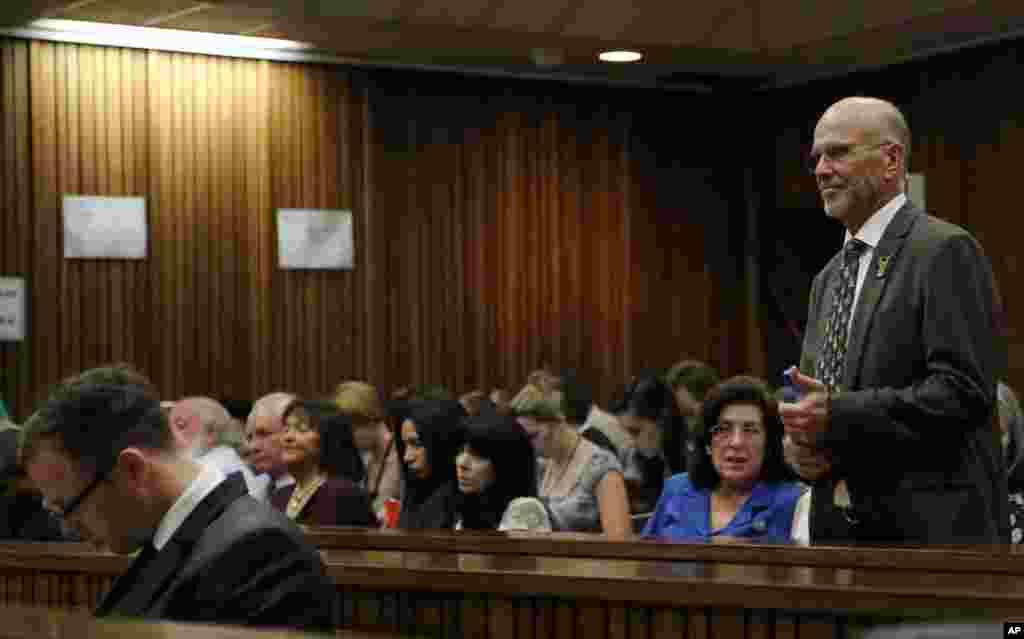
x=883 y=265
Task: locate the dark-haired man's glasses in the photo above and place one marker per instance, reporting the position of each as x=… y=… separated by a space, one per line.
x=76 y=502
x=838 y=153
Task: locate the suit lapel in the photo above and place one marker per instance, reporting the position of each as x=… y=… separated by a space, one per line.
x=133 y=594
x=880 y=269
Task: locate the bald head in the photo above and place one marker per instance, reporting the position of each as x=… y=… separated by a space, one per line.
x=878 y=119
x=859 y=158
x=262 y=430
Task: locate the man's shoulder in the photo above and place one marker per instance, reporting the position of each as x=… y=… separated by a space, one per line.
x=935 y=229
x=249 y=524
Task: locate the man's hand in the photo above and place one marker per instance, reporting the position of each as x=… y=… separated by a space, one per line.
x=808 y=462
x=810 y=415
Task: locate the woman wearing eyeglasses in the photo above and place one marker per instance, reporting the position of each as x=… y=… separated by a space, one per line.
x=317 y=448
x=739 y=485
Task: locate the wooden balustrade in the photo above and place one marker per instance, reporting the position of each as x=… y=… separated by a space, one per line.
x=453 y=585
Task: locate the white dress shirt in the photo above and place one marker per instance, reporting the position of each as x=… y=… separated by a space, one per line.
x=228 y=461
x=208 y=479
x=264 y=486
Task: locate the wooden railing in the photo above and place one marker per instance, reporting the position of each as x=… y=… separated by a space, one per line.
x=452 y=585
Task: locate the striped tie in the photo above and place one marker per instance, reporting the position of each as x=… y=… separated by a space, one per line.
x=833 y=354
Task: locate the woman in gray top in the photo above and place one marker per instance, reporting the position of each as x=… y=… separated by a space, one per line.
x=580 y=483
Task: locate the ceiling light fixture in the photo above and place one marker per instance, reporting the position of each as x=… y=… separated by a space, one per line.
x=621 y=56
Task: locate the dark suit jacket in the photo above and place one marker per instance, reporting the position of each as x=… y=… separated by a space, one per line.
x=912 y=424
x=233 y=561
x=338 y=502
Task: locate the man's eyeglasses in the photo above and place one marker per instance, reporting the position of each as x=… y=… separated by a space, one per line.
x=75 y=503
x=838 y=153
x=722 y=432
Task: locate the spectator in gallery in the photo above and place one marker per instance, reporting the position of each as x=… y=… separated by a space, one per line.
x=318 y=450
x=740 y=485
x=580 y=483
x=360 y=402
x=495 y=466
x=430 y=436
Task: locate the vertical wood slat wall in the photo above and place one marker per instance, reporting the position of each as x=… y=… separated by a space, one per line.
x=498 y=225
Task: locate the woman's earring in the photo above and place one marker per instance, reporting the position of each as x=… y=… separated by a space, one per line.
x=707 y=449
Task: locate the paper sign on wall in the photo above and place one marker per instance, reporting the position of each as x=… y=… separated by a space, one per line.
x=12 y=309
x=315 y=239
x=104 y=227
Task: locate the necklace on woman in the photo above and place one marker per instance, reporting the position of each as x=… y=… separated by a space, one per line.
x=549 y=486
x=302 y=494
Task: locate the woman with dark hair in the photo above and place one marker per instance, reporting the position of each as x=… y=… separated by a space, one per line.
x=739 y=485
x=317 y=448
x=649 y=413
x=496 y=465
x=429 y=437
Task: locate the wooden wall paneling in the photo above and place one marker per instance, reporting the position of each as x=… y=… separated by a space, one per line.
x=786 y=627
x=618 y=616
x=45 y=275
x=699 y=624
x=16 y=215
x=202 y=273
x=592 y=619
x=258 y=225
x=759 y=624
x=544 y=619
x=475 y=616
x=502 y=619
x=565 y=622
x=525 y=617
x=727 y=622
x=669 y=622
x=818 y=626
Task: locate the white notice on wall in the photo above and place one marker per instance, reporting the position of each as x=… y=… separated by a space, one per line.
x=315 y=239
x=12 y=309
x=104 y=227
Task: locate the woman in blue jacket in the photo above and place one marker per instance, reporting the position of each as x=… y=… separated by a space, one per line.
x=739 y=485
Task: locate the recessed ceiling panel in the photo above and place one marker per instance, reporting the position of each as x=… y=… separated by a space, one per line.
x=134 y=12
x=457 y=12
x=533 y=17
x=677 y=23
x=221 y=19
x=787 y=23
x=377 y=9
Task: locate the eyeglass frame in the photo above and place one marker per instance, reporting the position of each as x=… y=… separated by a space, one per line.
x=841 y=153
x=719 y=431
x=76 y=502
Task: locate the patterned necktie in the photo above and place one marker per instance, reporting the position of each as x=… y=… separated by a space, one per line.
x=833 y=353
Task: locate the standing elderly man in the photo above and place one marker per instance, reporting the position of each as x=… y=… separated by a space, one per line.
x=263 y=443
x=900 y=358
x=104 y=458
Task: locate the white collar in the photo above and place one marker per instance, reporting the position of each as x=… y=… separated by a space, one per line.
x=872 y=231
x=284 y=480
x=209 y=478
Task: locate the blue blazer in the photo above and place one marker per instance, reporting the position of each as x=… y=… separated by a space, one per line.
x=684 y=512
